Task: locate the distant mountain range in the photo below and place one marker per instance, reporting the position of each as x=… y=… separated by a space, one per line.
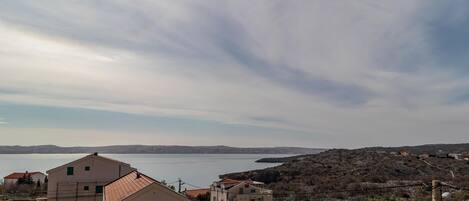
x=155 y=149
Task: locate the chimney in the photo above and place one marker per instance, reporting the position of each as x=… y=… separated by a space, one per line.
x=138 y=175
x=95 y=153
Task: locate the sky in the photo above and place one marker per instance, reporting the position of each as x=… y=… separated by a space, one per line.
x=312 y=73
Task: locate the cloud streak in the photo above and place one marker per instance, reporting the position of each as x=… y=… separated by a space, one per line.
x=346 y=73
x=2 y=121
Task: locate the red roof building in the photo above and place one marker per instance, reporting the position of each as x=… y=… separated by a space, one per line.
x=236 y=190
x=192 y=194
x=137 y=186
x=13 y=179
x=18 y=175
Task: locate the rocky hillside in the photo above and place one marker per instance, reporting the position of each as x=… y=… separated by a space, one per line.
x=346 y=174
x=428 y=148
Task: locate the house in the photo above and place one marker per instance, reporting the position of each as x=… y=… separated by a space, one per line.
x=424 y=156
x=194 y=193
x=404 y=153
x=12 y=179
x=84 y=179
x=235 y=190
x=442 y=155
x=137 y=186
x=455 y=156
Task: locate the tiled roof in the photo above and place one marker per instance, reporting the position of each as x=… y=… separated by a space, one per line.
x=126 y=186
x=17 y=175
x=230 y=181
x=195 y=192
x=130 y=184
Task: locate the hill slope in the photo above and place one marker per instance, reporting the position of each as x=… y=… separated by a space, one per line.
x=339 y=170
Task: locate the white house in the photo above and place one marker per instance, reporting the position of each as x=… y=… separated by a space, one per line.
x=235 y=190
x=456 y=156
x=12 y=179
x=136 y=186
x=84 y=179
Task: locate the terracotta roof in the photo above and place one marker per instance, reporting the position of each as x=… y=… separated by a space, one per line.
x=126 y=186
x=195 y=192
x=230 y=181
x=17 y=175
x=129 y=184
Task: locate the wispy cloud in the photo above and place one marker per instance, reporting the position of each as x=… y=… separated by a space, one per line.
x=348 y=70
x=2 y=121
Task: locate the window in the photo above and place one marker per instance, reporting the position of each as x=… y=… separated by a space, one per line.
x=86 y=188
x=69 y=170
x=253 y=190
x=241 y=190
x=99 y=189
x=87 y=168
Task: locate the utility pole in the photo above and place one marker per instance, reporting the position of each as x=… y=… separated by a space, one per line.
x=436 y=190
x=180 y=183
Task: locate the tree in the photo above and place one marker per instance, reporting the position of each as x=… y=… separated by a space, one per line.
x=26 y=179
x=203 y=197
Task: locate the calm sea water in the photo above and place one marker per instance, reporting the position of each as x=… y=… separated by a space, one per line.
x=198 y=170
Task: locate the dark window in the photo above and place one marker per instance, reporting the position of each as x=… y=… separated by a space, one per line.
x=69 y=170
x=253 y=190
x=99 y=189
x=87 y=168
x=86 y=188
x=241 y=190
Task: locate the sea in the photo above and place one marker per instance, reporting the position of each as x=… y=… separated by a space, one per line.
x=195 y=170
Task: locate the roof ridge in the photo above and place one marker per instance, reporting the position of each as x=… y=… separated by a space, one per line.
x=120 y=177
x=154 y=180
x=149 y=181
x=82 y=158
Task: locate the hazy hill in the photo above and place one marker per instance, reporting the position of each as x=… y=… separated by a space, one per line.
x=428 y=148
x=155 y=149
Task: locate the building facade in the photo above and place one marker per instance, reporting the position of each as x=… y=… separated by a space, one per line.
x=235 y=190
x=84 y=179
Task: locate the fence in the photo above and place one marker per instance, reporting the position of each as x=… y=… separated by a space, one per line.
x=436 y=191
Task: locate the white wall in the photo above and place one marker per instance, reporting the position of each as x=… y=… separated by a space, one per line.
x=68 y=187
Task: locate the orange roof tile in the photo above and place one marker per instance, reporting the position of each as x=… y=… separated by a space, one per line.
x=129 y=184
x=195 y=192
x=230 y=181
x=126 y=186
